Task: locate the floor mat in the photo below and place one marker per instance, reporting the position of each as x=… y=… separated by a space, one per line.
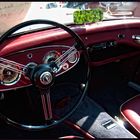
x=97 y=122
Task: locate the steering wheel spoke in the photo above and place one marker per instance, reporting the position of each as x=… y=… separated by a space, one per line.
x=46 y=104
x=63 y=58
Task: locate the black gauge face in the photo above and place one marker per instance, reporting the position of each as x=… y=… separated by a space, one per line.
x=52 y=56
x=9 y=77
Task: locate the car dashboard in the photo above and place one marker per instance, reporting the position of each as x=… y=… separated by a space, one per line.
x=106 y=42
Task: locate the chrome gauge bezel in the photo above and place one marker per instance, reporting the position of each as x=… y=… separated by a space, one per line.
x=47 y=55
x=11 y=82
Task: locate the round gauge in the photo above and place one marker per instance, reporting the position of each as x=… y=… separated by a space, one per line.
x=73 y=58
x=51 y=57
x=9 y=77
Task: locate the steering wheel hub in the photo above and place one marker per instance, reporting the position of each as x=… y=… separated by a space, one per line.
x=46 y=78
x=40 y=75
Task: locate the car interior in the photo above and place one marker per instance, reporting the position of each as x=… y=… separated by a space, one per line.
x=71 y=81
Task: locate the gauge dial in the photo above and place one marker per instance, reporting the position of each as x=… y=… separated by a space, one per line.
x=51 y=57
x=73 y=58
x=9 y=77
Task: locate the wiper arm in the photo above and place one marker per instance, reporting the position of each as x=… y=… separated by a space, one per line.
x=120 y=18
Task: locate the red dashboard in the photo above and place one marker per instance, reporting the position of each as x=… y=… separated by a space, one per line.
x=106 y=41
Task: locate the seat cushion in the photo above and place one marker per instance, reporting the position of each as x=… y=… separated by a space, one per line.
x=131 y=111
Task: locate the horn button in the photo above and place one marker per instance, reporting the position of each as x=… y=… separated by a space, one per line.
x=46 y=78
x=40 y=75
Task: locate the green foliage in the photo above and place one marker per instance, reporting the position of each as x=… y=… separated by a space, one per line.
x=87 y=16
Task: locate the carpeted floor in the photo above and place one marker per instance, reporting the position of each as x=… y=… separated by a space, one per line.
x=110 y=87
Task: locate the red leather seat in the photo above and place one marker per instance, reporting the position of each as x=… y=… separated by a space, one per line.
x=131 y=112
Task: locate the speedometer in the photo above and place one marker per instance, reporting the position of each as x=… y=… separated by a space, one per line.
x=8 y=76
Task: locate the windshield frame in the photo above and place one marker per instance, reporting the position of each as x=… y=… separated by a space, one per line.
x=67 y=24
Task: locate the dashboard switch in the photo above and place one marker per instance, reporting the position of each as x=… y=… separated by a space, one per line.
x=121 y=36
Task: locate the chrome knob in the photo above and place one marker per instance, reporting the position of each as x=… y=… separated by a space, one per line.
x=46 y=78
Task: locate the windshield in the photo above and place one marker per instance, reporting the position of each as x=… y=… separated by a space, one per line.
x=12 y=13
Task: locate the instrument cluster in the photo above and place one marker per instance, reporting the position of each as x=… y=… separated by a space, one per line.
x=13 y=70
